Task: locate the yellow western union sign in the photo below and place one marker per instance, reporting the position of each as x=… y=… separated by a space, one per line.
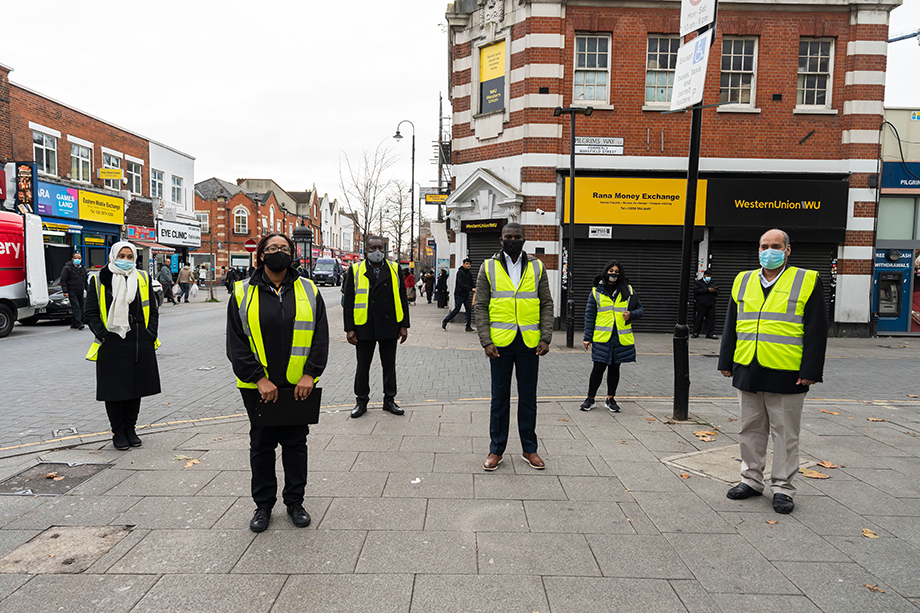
x=492 y=78
x=99 y=207
x=640 y=202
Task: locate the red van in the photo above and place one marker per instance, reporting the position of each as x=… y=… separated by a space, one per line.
x=23 y=284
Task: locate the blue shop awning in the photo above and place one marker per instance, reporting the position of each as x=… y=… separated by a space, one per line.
x=56 y=224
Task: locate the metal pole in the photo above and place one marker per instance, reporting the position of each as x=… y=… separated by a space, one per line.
x=570 y=304
x=682 y=330
x=412 y=203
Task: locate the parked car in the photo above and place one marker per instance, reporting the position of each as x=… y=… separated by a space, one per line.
x=327 y=271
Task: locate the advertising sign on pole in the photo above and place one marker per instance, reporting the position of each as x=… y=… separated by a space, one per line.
x=690 y=75
x=694 y=14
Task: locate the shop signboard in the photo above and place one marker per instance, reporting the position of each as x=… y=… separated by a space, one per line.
x=109 y=174
x=103 y=208
x=141 y=233
x=631 y=201
x=482 y=225
x=435 y=198
x=90 y=239
x=901 y=176
x=492 y=78
x=764 y=203
x=57 y=201
x=178 y=234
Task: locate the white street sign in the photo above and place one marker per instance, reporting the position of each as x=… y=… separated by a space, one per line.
x=600 y=231
x=694 y=14
x=598 y=140
x=598 y=150
x=690 y=75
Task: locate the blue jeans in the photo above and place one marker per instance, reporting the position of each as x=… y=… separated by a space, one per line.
x=183 y=290
x=524 y=361
x=461 y=301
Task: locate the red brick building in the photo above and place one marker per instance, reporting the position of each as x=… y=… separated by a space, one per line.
x=308 y=207
x=793 y=144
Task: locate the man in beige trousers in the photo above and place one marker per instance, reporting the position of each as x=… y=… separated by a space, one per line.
x=773 y=347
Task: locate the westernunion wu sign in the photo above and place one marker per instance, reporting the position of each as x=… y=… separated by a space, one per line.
x=639 y=202
x=492 y=78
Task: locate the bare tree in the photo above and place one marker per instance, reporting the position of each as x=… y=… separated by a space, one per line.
x=364 y=186
x=398 y=216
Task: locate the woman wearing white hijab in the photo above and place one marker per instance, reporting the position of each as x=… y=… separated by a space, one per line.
x=122 y=313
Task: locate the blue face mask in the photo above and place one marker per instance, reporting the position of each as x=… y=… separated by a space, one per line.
x=707 y=279
x=77 y=262
x=125 y=264
x=772 y=258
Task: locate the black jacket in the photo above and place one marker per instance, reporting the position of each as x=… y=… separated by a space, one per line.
x=126 y=368
x=381 y=312
x=276 y=318
x=74 y=279
x=442 y=282
x=464 y=283
x=756 y=378
x=704 y=298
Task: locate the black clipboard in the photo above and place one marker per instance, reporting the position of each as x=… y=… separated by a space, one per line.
x=288 y=411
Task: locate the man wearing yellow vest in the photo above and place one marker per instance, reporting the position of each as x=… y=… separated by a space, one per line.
x=514 y=319
x=773 y=347
x=376 y=313
x=277 y=338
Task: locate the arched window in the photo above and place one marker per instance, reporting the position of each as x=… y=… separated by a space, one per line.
x=240 y=221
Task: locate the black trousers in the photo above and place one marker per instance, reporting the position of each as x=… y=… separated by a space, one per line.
x=597 y=375
x=365 y=353
x=76 y=303
x=123 y=413
x=461 y=301
x=262 y=443
x=709 y=314
x=524 y=362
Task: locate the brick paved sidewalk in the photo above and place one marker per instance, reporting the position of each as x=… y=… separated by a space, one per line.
x=405 y=520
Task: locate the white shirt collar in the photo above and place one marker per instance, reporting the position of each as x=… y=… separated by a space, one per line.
x=763 y=279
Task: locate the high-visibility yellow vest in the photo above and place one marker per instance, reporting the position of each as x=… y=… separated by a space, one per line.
x=363 y=287
x=611 y=316
x=513 y=309
x=247 y=298
x=772 y=329
x=143 y=286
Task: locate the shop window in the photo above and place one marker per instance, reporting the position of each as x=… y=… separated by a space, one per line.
x=156 y=184
x=240 y=221
x=816 y=59
x=204 y=219
x=176 y=189
x=44 y=150
x=739 y=63
x=134 y=172
x=659 y=69
x=81 y=163
x=111 y=161
x=592 y=68
x=897 y=219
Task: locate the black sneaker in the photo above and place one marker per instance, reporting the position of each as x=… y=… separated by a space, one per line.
x=612 y=405
x=588 y=404
x=260 y=519
x=299 y=515
x=444 y=325
x=694 y=336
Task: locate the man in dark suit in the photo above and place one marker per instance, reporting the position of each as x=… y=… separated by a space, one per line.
x=705 y=292
x=376 y=312
x=74 y=279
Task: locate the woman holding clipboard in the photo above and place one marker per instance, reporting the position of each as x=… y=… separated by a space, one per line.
x=278 y=342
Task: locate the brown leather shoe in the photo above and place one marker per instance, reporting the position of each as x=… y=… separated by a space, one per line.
x=492 y=462
x=534 y=460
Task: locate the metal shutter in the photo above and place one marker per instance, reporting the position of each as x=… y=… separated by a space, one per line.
x=653 y=269
x=727 y=259
x=480 y=247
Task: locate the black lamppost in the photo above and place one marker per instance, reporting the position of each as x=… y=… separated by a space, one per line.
x=398 y=138
x=303 y=238
x=570 y=304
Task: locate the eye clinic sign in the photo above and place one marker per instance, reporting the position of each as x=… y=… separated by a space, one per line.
x=179 y=234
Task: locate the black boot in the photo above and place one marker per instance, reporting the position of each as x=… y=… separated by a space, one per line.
x=130 y=423
x=117 y=423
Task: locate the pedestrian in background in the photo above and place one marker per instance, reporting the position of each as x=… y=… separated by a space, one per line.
x=429 y=284
x=277 y=338
x=773 y=347
x=442 y=289
x=74 y=280
x=410 y=287
x=122 y=313
x=611 y=309
x=376 y=314
x=185 y=279
x=166 y=280
x=705 y=292
x=230 y=278
x=514 y=314
x=463 y=295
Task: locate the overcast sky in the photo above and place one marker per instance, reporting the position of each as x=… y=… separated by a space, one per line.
x=275 y=88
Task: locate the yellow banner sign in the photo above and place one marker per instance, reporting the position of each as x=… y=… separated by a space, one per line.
x=492 y=78
x=99 y=207
x=627 y=201
x=435 y=198
x=109 y=173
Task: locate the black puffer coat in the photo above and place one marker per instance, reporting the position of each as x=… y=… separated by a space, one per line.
x=611 y=352
x=125 y=368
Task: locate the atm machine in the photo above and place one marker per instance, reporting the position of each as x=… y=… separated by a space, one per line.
x=893 y=272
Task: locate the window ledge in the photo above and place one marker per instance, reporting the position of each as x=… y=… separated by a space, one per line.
x=496 y=112
x=804 y=110
x=42 y=173
x=737 y=109
x=597 y=107
x=656 y=109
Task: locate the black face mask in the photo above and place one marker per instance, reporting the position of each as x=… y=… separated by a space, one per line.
x=612 y=279
x=277 y=261
x=512 y=247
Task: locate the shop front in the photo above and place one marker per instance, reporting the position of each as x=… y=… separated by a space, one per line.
x=150 y=253
x=185 y=238
x=896 y=282
x=483 y=239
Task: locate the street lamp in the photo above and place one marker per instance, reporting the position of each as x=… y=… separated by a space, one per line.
x=570 y=304
x=303 y=238
x=398 y=138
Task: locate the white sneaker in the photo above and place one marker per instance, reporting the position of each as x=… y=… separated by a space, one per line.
x=612 y=405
